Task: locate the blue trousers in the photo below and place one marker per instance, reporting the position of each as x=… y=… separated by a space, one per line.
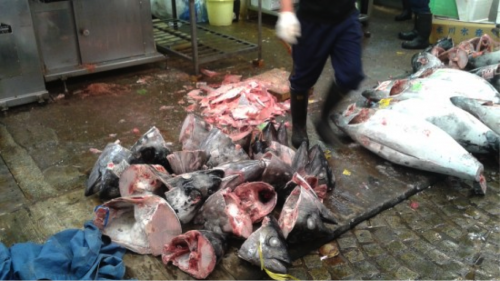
x=341 y=42
x=420 y=6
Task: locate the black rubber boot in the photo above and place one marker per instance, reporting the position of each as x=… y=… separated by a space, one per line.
x=298 y=108
x=409 y=35
x=423 y=26
x=323 y=127
x=406 y=13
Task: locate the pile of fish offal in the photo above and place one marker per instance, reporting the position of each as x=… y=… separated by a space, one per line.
x=441 y=117
x=264 y=194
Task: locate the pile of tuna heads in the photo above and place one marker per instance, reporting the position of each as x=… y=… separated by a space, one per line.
x=258 y=191
x=441 y=117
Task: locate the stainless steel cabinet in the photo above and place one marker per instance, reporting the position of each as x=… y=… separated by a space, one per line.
x=21 y=77
x=84 y=36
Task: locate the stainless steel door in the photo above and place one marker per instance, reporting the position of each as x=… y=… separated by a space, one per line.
x=109 y=30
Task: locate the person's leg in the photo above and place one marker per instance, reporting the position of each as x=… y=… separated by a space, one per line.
x=423 y=25
x=417 y=7
x=309 y=57
x=406 y=13
x=345 y=54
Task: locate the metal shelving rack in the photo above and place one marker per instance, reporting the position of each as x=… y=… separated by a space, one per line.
x=200 y=44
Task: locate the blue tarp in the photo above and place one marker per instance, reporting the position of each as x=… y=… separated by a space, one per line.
x=72 y=254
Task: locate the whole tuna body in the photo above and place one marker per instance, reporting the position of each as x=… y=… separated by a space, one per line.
x=410 y=142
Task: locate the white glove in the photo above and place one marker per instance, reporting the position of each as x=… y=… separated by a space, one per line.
x=288 y=27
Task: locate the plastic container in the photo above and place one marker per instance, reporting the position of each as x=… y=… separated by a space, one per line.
x=220 y=12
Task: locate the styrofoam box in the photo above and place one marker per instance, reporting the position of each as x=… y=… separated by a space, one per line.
x=474 y=10
x=267 y=4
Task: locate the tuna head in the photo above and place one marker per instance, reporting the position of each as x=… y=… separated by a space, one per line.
x=303 y=215
x=142 y=224
x=195 y=252
x=221 y=149
x=318 y=167
x=189 y=191
x=271 y=242
x=187 y=161
x=151 y=148
x=257 y=198
x=283 y=134
x=222 y=213
x=103 y=178
x=142 y=179
x=193 y=131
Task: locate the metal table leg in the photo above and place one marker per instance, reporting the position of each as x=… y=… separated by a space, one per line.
x=194 y=37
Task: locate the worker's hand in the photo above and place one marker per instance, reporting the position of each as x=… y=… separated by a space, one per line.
x=288 y=27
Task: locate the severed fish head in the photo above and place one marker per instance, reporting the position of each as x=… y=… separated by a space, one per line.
x=104 y=177
x=271 y=242
x=193 y=131
x=303 y=216
x=257 y=198
x=318 y=167
x=142 y=224
x=142 y=179
x=187 y=161
x=151 y=148
x=189 y=191
x=222 y=213
x=195 y=252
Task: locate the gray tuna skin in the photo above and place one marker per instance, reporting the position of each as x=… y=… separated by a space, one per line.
x=318 y=167
x=463 y=127
x=484 y=60
x=189 y=191
x=303 y=216
x=274 y=248
x=222 y=213
x=193 y=131
x=411 y=142
x=195 y=252
x=277 y=172
x=247 y=170
x=221 y=149
x=151 y=148
x=487 y=112
x=301 y=158
x=187 y=161
x=101 y=179
x=283 y=134
x=490 y=73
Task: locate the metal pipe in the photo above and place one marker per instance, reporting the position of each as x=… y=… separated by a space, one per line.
x=259 y=43
x=194 y=43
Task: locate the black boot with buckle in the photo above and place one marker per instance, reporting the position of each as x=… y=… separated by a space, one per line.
x=298 y=108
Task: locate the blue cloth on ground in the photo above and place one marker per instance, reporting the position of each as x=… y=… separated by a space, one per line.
x=71 y=254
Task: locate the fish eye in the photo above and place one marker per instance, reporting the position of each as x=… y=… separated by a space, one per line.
x=274 y=241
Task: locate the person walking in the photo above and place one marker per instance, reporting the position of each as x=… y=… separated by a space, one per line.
x=418 y=37
x=318 y=30
x=406 y=13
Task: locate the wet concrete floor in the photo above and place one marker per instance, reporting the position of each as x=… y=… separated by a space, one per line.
x=394 y=222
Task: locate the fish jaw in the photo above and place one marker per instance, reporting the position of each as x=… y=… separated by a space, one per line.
x=192 y=252
x=272 y=244
x=257 y=198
